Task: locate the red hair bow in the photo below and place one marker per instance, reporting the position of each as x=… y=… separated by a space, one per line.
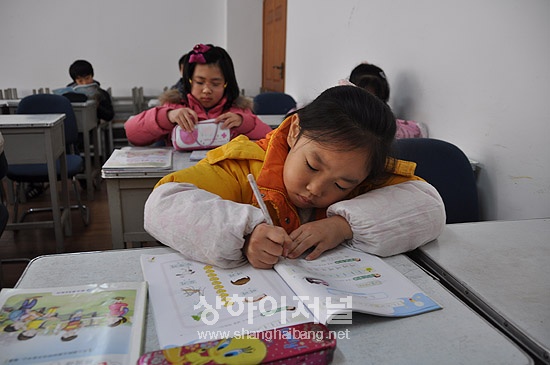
x=198 y=53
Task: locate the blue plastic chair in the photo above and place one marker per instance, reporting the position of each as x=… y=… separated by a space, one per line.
x=447 y=168
x=273 y=103
x=38 y=173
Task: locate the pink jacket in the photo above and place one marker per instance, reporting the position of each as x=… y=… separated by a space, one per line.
x=152 y=125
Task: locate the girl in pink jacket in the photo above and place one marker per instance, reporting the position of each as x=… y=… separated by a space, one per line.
x=210 y=92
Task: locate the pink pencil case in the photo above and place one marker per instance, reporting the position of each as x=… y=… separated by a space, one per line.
x=206 y=135
x=308 y=343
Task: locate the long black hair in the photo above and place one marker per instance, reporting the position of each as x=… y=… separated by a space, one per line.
x=218 y=56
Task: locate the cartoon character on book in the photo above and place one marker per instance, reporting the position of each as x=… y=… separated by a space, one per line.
x=36 y=321
x=241 y=351
x=117 y=310
x=417 y=300
x=24 y=308
x=72 y=327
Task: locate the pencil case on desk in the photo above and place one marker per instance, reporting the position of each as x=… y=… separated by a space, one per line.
x=207 y=135
x=308 y=343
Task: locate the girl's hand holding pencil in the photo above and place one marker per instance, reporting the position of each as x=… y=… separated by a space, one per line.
x=266 y=243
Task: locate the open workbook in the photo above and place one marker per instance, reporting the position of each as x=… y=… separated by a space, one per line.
x=194 y=302
x=89 y=89
x=86 y=324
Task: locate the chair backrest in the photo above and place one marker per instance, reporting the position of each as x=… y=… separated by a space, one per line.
x=273 y=103
x=447 y=168
x=52 y=104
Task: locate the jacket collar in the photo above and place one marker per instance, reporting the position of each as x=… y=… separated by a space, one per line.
x=215 y=110
x=276 y=146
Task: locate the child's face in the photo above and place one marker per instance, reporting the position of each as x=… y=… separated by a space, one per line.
x=208 y=84
x=84 y=80
x=316 y=176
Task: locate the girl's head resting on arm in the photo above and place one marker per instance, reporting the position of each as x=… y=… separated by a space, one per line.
x=209 y=75
x=339 y=140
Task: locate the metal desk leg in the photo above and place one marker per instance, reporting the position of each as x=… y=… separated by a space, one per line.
x=115 y=213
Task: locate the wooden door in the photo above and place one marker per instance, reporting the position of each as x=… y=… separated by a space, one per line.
x=274 y=45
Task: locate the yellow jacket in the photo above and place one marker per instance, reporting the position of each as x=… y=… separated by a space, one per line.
x=224 y=172
x=205 y=211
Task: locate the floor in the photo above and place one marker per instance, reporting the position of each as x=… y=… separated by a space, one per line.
x=36 y=242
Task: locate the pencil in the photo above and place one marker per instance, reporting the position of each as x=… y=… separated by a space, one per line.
x=258 y=196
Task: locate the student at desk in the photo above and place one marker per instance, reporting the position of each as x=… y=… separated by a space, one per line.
x=210 y=90
x=373 y=79
x=326 y=177
x=179 y=86
x=82 y=73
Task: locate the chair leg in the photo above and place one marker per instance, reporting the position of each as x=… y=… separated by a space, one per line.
x=18 y=187
x=84 y=211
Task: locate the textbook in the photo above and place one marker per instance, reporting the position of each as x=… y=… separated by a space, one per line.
x=194 y=302
x=89 y=89
x=85 y=324
x=139 y=159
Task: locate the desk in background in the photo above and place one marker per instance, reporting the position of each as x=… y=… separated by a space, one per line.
x=40 y=138
x=86 y=120
x=454 y=334
x=272 y=120
x=127 y=193
x=503 y=269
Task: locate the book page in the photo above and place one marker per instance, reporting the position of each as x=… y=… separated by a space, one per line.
x=92 y=324
x=193 y=302
x=139 y=158
x=87 y=89
x=374 y=286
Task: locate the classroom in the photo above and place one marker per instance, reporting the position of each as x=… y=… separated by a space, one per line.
x=474 y=72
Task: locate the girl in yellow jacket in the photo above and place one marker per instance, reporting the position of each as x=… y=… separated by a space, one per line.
x=326 y=177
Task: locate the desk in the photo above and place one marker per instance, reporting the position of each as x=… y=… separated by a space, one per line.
x=272 y=120
x=454 y=334
x=86 y=120
x=127 y=193
x=40 y=138
x=503 y=269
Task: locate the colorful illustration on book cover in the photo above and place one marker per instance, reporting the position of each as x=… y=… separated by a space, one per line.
x=307 y=343
x=66 y=324
x=244 y=350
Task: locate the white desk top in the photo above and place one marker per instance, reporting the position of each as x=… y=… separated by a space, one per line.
x=454 y=334
x=30 y=120
x=503 y=268
x=15 y=102
x=10 y=102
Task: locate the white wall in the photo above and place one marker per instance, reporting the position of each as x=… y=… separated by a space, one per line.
x=476 y=72
x=244 y=42
x=129 y=43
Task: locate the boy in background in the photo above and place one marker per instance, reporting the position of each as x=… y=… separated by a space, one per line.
x=82 y=73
